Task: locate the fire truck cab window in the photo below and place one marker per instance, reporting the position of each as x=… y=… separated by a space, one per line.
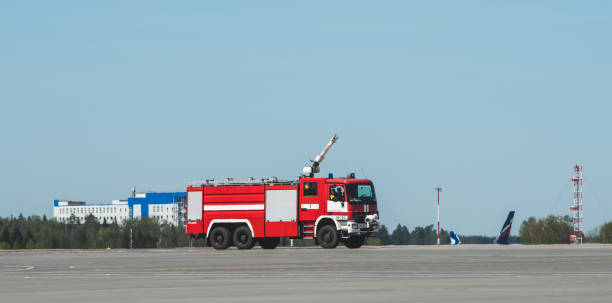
x=310 y=189
x=361 y=193
x=336 y=193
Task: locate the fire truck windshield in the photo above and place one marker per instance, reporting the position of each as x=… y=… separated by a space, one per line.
x=360 y=193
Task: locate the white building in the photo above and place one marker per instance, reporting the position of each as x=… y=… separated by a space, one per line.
x=116 y=211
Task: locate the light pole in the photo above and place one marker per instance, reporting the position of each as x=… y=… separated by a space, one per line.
x=438 y=189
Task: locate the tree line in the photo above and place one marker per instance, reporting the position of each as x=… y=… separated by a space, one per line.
x=39 y=232
x=425 y=235
x=548 y=230
x=36 y=232
x=557 y=230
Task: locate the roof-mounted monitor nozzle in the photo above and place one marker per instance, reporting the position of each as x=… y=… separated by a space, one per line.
x=314 y=168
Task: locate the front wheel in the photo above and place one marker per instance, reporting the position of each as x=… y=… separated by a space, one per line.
x=354 y=241
x=327 y=236
x=219 y=237
x=269 y=243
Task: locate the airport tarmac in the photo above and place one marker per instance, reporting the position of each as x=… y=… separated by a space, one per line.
x=468 y=273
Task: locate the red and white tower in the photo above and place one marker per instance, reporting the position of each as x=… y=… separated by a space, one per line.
x=576 y=208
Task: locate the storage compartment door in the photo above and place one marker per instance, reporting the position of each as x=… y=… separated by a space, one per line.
x=281 y=213
x=194 y=212
x=281 y=205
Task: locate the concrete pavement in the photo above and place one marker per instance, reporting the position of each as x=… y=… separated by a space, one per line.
x=468 y=273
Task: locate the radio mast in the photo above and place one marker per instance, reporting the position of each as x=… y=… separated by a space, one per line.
x=576 y=207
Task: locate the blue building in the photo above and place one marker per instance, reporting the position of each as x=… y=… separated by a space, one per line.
x=163 y=206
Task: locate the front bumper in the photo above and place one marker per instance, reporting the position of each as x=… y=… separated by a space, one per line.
x=352 y=228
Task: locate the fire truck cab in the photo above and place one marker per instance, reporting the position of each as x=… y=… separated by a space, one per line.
x=338 y=207
x=328 y=210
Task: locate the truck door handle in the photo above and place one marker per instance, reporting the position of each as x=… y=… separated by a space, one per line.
x=304 y=208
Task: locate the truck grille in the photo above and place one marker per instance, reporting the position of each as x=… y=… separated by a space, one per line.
x=359 y=217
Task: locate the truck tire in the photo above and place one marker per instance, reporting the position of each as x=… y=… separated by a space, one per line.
x=354 y=241
x=243 y=238
x=269 y=243
x=220 y=237
x=327 y=236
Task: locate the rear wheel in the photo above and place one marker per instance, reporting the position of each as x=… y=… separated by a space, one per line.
x=327 y=236
x=269 y=243
x=219 y=237
x=354 y=241
x=243 y=238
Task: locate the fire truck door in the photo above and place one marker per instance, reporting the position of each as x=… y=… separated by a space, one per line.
x=337 y=199
x=309 y=201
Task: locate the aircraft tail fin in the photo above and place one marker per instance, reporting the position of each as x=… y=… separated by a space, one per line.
x=454 y=239
x=504 y=234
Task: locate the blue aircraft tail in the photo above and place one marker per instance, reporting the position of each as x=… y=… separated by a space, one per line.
x=504 y=234
x=454 y=240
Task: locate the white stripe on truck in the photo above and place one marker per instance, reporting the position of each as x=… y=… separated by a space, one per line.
x=234 y=207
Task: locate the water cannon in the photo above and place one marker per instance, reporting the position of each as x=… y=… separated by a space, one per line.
x=314 y=167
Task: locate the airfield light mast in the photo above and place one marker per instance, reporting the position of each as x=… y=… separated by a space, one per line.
x=438 y=190
x=576 y=207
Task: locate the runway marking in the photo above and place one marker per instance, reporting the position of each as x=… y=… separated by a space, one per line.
x=15 y=268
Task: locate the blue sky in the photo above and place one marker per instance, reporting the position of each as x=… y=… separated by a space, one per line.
x=495 y=101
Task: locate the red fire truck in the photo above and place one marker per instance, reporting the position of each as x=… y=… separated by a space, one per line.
x=329 y=210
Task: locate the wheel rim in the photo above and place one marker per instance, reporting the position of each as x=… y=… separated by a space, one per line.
x=219 y=238
x=327 y=237
x=243 y=238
